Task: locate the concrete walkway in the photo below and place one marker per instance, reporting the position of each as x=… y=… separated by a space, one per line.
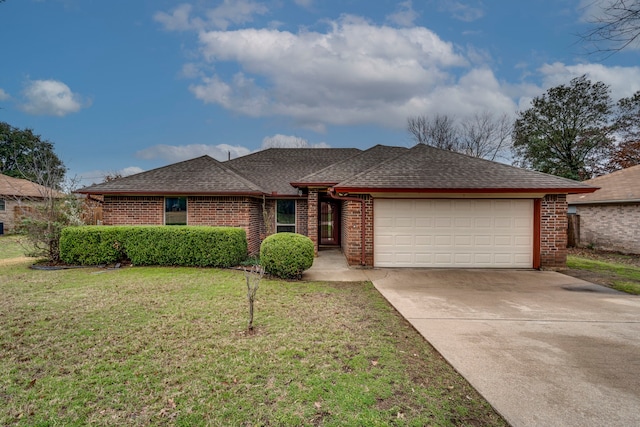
x=331 y=266
x=543 y=348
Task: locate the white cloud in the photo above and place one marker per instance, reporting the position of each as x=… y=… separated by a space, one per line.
x=623 y=81
x=289 y=141
x=462 y=11
x=228 y=13
x=176 y=153
x=178 y=19
x=404 y=16
x=50 y=97
x=4 y=95
x=355 y=72
x=235 y=12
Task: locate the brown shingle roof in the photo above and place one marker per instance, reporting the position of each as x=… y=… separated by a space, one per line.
x=351 y=166
x=619 y=186
x=424 y=168
x=202 y=175
x=16 y=187
x=276 y=168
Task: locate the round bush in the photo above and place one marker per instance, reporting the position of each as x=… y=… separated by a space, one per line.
x=286 y=255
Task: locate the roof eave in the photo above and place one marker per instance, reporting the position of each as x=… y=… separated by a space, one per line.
x=603 y=202
x=551 y=190
x=173 y=193
x=313 y=184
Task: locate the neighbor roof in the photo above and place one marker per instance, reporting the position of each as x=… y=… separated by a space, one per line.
x=620 y=186
x=17 y=187
x=202 y=175
x=428 y=169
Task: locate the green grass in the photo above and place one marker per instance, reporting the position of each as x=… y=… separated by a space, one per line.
x=169 y=346
x=10 y=247
x=625 y=278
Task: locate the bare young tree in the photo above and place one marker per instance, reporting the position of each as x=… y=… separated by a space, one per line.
x=485 y=135
x=438 y=131
x=615 y=25
x=253 y=277
x=42 y=221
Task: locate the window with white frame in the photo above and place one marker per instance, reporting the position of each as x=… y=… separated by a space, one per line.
x=175 y=211
x=285 y=216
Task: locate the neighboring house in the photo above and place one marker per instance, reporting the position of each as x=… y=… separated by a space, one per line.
x=610 y=217
x=385 y=206
x=18 y=196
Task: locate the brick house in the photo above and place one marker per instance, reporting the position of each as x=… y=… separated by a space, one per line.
x=609 y=218
x=385 y=206
x=18 y=196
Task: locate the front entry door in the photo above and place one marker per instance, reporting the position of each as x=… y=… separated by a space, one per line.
x=329 y=223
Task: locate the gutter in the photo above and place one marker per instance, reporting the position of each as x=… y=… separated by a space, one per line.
x=331 y=192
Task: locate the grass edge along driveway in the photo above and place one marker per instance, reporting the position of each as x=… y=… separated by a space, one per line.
x=168 y=346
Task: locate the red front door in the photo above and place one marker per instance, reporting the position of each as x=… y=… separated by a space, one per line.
x=329 y=223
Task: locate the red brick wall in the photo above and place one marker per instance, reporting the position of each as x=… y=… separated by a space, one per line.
x=302 y=217
x=553 y=231
x=242 y=212
x=228 y=212
x=133 y=210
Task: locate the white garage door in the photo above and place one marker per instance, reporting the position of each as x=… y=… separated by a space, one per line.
x=453 y=233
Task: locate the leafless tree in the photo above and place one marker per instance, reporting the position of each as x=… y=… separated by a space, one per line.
x=438 y=131
x=485 y=135
x=615 y=25
x=253 y=277
x=52 y=210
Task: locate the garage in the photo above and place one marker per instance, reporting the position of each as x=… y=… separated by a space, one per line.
x=454 y=233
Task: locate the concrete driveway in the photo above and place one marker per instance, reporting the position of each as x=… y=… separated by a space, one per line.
x=543 y=348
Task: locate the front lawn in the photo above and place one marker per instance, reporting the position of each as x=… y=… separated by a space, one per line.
x=168 y=346
x=10 y=247
x=621 y=272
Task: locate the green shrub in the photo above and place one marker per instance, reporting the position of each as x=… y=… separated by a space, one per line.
x=286 y=255
x=197 y=246
x=91 y=245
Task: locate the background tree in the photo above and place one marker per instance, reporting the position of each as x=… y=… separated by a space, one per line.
x=615 y=25
x=567 y=131
x=24 y=154
x=626 y=153
x=439 y=131
x=484 y=135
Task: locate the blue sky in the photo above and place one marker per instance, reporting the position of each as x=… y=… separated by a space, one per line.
x=125 y=86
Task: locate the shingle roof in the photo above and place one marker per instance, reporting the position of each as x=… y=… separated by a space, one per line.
x=351 y=166
x=619 y=186
x=202 y=175
x=16 y=187
x=424 y=168
x=276 y=168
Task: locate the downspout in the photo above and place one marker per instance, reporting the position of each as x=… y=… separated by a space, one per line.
x=331 y=192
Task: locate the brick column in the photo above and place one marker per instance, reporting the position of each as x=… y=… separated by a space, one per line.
x=312 y=218
x=553 y=231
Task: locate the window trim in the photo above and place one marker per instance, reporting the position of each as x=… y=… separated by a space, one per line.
x=295 y=216
x=186 y=209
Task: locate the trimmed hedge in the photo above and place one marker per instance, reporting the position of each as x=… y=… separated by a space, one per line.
x=286 y=255
x=196 y=246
